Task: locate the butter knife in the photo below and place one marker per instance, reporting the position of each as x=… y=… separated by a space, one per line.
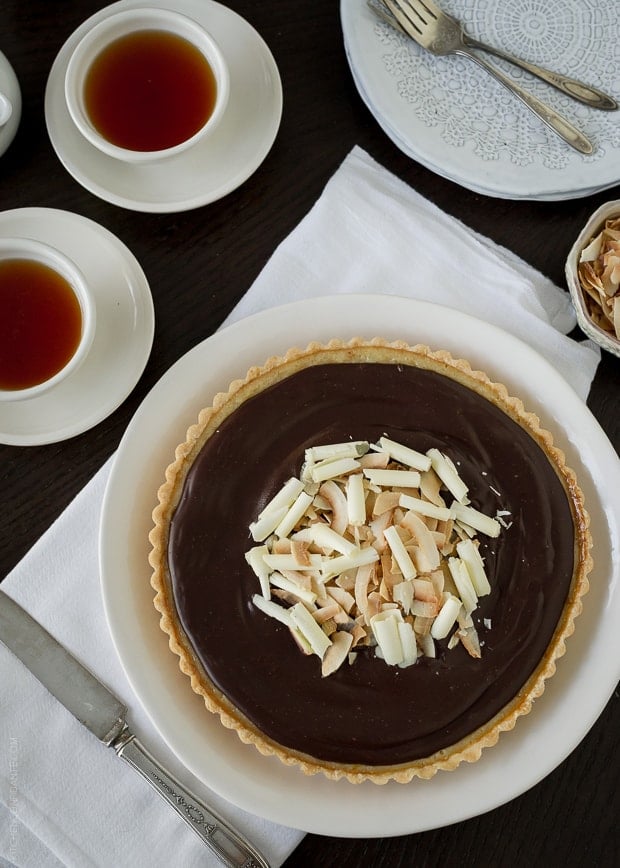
x=105 y=716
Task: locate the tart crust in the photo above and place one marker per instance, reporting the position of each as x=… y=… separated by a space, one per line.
x=378 y=351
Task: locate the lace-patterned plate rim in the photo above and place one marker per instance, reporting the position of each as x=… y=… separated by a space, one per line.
x=453 y=118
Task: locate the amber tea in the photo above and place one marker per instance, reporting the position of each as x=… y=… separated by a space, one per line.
x=40 y=323
x=149 y=90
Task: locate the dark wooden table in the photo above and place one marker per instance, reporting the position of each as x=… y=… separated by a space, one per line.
x=199 y=264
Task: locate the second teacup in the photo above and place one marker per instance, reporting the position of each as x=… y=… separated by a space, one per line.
x=47 y=318
x=146 y=84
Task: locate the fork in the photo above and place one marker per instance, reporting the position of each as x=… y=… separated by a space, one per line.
x=591 y=96
x=441 y=34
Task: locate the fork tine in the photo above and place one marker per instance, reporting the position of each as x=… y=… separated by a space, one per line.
x=411 y=13
x=405 y=20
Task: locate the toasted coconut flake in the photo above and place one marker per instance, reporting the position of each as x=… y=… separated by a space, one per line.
x=469 y=638
x=330 y=491
x=337 y=653
x=402 y=593
x=385 y=502
x=299 y=550
x=362 y=580
x=424 y=538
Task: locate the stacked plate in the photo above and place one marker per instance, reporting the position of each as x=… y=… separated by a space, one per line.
x=451 y=116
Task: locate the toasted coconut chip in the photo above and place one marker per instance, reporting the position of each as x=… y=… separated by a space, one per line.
x=299 y=550
x=378 y=460
x=338 y=504
x=385 y=502
x=337 y=653
x=469 y=638
x=378 y=527
x=425 y=540
x=599 y=276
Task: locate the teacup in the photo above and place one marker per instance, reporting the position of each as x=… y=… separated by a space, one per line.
x=146 y=84
x=47 y=318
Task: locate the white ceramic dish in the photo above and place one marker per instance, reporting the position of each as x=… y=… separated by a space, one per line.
x=9 y=86
x=574 y=697
x=451 y=116
x=123 y=338
x=595 y=223
x=212 y=168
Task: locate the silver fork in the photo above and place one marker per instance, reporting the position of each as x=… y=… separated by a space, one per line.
x=591 y=96
x=441 y=34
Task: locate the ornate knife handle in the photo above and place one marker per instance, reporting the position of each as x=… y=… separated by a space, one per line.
x=227 y=844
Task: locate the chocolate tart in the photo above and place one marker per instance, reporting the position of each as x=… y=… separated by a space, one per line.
x=367 y=721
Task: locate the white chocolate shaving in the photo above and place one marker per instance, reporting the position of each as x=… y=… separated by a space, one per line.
x=356 y=499
x=423 y=507
x=447 y=472
x=476 y=520
x=403 y=454
x=400 y=553
x=401 y=478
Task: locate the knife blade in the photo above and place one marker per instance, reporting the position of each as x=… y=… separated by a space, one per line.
x=100 y=711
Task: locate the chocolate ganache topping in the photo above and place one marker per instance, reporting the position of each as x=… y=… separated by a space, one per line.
x=369 y=713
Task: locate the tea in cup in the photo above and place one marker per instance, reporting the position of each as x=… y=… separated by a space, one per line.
x=47 y=318
x=146 y=84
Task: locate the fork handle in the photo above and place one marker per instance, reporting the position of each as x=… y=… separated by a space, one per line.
x=570 y=86
x=570 y=134
x=230 y=846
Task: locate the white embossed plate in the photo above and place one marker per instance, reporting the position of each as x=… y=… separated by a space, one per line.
x=451 y=116
x=573 y=698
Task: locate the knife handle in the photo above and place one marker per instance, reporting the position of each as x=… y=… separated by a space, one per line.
x=228 y=845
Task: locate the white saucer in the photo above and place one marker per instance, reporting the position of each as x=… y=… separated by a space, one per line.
x=9 y=86
x=212 y=168
x=122 y=343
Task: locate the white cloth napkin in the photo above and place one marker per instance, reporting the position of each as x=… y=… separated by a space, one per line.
x=64 y=800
